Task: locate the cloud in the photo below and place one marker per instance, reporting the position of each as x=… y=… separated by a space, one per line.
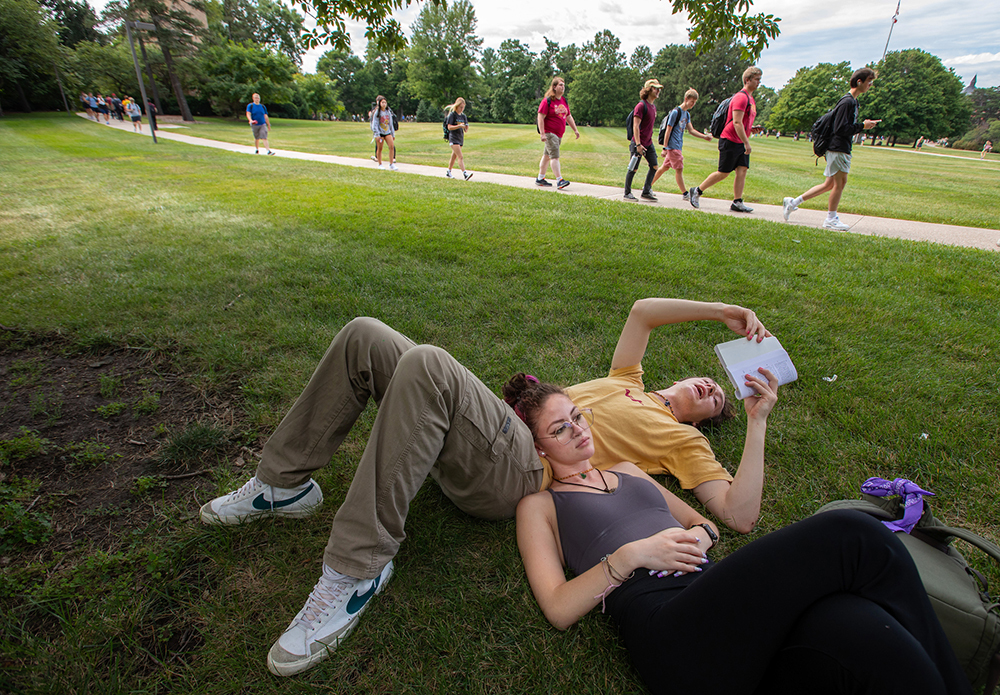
x=974 y=59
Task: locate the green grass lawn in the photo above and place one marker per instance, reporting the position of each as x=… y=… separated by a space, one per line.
x=885 y=181
x=243 y=268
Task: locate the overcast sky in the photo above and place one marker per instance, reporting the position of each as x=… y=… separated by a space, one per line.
x=964 y=34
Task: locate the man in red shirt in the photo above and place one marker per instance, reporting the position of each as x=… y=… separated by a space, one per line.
x=734 y=143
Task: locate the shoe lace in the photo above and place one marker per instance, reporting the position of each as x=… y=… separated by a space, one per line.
x=327 y=594
x=250 y=486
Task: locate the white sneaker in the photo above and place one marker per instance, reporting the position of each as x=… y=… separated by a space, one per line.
x=835 y=223
x=788 y=206
x=394 y=167
x=331 y=613
x=381 y=166
x=255 y=499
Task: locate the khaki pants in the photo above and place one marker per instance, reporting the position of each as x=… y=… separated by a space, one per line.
x=434 y=417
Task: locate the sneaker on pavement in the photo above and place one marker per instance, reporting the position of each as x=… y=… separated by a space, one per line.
x=382 y=166
x=331 y=613
x=788 y=206
x=686 y=195
x=562 y=183
x=543 y=183
x=256 y=151
x=448 y=174
x=255 y=499
x=646 y=195
x=738 y=206
x=835 y=223
x=694 y=197
x=270 y=152
x=629 y=196
x=467 y=175
x=393 y=167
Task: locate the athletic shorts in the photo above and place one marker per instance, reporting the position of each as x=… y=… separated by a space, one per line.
x=674 y=159
x=837 y=161
x=552 y=142
x=732 y=155
x=136 y=119
x=260 y=131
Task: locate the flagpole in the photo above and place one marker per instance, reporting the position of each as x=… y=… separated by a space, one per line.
x=886 y=50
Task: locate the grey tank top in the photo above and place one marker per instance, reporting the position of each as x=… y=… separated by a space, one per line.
x=594 y=525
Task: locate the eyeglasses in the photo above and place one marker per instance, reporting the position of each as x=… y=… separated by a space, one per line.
x=583 y=419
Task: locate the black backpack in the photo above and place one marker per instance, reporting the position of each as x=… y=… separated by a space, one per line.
x=663 y=125
x=548 y=105
x=822 y=132
x=447 y=133
x=630 y=116
x=720 y=118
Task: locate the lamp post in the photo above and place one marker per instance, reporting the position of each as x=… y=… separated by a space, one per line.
x=138 y=73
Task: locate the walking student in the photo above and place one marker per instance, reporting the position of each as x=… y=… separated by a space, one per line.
x=673 y=140
x=988 y=147
x=734 y=143
x=641 y=145
x=458 y=126
x=553 y=114
x=135 y=114
x=838 y=155
x=383 y=125
x=259 y=122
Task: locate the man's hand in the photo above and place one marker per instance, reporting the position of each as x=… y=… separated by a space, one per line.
x=543 y=138
x=869 y=123
x=745 y=322
x=577 y=134
x=759 y=405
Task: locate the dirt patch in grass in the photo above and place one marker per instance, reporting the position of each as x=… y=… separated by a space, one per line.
x=93 y=441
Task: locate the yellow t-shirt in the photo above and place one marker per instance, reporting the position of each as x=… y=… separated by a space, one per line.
x=631 y=425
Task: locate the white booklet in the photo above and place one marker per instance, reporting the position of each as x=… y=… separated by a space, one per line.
x=741 y=357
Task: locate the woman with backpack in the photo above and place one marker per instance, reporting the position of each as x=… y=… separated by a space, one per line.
x=384 y=131
x=457 y=125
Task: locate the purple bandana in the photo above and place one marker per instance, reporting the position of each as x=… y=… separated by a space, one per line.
x=913 y=503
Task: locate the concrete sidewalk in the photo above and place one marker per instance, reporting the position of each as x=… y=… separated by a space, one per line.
x=973 y=237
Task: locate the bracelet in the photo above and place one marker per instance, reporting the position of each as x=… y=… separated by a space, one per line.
x=615 y=573
x=611 y=584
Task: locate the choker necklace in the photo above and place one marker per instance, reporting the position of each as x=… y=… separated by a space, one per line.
x=603 y=481
x=582 y=475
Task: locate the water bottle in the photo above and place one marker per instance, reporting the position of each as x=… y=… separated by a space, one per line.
x=633 y=164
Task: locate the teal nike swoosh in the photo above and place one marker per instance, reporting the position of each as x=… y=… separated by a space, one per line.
x=263 y=505
x=357 y=602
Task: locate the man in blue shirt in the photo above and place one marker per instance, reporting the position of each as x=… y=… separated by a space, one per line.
x=677 y=121
x=259 y=122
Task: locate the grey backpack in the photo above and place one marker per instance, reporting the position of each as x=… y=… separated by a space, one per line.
x=959 y=594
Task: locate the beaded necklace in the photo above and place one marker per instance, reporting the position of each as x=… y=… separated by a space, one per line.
x=583 y=475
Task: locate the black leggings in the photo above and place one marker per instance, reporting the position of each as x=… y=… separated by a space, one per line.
x=832 y=604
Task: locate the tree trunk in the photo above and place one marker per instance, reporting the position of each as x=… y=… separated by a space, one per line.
x=149 y=69
x=175 y=82
x=24 y=98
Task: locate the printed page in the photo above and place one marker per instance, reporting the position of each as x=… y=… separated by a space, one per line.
x=741 y=357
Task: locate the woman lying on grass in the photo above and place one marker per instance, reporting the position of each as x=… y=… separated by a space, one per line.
x=832 y=604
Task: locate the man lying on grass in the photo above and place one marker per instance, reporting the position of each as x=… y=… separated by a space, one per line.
x=435 y=417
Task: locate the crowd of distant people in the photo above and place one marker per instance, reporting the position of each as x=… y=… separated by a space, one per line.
x=733 y=126
x=102 y=109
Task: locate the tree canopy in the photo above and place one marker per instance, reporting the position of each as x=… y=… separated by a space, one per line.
x=916 y=95
x=713 y=22
x=807 y=96
x=443 y=52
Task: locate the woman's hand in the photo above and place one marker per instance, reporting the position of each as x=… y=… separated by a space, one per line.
x=671 y=550
x=744 y=322
x=759 y=405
